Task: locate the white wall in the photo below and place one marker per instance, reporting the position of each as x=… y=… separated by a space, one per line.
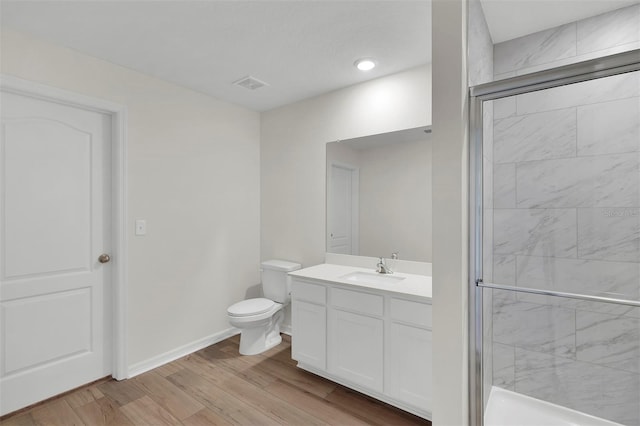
x=341 y=153
x=193 y=167
x=450 y=218
x=293 y=167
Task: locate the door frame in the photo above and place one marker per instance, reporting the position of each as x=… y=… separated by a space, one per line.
x=355 y=204
x=118 y=113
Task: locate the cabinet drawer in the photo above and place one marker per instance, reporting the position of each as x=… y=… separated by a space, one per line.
x=411 y=312
x=309 y=292
x=365 y=303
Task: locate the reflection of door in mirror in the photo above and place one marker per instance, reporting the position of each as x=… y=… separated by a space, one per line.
x=342 y=220
x=379 y=195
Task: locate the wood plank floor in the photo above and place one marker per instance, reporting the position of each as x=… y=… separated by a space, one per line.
x=216 y=386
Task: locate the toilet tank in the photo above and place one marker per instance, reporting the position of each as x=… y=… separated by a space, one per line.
x=276 y=284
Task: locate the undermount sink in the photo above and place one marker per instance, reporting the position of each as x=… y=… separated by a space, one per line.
x=371 y=278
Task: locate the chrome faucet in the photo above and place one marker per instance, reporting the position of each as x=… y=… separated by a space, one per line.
x=382 y=268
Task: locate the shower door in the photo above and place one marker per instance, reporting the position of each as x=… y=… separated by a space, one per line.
x=555 y=291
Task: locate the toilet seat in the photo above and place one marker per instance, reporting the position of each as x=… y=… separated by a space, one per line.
x=251 y=307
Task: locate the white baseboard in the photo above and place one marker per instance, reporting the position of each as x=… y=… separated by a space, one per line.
x=286 y=329
x=172 y=355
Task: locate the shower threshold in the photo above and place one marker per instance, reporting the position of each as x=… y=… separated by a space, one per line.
x=506 y=408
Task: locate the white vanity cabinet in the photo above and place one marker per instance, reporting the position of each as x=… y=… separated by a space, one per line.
x=376 y=342
x=407 y=375
x=309 y=323
x=355 y=334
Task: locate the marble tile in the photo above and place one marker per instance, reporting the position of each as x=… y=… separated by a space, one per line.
x=487 y=183
x=480 y=46
x=501 y=298
x=504 y=366
x=504 y=186
x=504 y=272
x=609 y=29
x=633 y=312
x=487 y=316
x=487 y=343
x=580 y=58
x=608 y=340
x=487 y=245
x=505 y=107
x=538 y=48
x=504 y=75
x=576 y=304
x=540 y=232
x=595 y=181
x=487 y=374
x=603 y=392
x=608 y=234
x=604 y=89
x=618 y=280
x=537 y=136
x=487 y=130
x=541 y=376
x=547 y=329
x=606 y=279
x=504 y=269
x=609 y=127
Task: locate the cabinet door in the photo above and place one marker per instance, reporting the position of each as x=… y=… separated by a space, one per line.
x=309 y=340
x=409 y=371
x=356 y=348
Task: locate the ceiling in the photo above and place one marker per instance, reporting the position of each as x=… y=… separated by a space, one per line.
x=300 y=48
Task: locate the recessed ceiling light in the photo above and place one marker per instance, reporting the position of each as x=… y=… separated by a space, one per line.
x=365 y=64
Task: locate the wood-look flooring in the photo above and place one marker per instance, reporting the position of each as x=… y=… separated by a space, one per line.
x=217 y=386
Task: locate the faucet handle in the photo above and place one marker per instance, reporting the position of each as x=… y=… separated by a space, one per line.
x=394 y=255
x=382 y=268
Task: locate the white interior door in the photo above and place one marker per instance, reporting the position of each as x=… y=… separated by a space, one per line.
x=55 y=223
x=342 y=223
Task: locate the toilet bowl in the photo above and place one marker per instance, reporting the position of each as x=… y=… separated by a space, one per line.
x=259 y=319
x=259 y=322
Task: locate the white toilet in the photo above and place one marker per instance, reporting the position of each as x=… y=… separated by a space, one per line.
x=259 y=319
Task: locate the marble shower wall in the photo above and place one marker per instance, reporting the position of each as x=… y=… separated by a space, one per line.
x=602 y=35
x=566 y=216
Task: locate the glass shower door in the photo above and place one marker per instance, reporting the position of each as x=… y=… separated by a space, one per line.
x=559 y=246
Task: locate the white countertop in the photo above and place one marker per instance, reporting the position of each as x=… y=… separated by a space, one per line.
x=414 y=285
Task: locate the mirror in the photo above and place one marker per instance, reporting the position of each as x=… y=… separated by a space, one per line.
x=379 y=195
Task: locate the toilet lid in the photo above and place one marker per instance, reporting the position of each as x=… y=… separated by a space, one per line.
x=250 y=307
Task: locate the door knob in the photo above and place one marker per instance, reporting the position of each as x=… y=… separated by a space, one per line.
x=104 y=258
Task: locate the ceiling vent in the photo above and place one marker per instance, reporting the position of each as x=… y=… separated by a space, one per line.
x=250 y=83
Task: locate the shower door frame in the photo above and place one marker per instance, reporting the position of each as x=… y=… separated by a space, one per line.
x=575 y=73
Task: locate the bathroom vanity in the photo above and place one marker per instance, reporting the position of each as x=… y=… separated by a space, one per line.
x=370 y=332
